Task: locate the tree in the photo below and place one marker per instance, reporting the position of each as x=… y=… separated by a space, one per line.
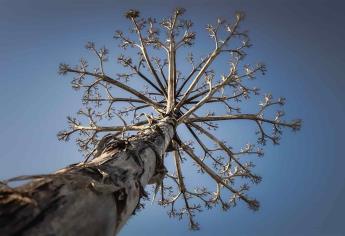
x=152 y=99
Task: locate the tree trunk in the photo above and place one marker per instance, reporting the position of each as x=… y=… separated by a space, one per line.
x=95 y=198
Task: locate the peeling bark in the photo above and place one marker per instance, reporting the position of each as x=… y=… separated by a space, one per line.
x=95 y=198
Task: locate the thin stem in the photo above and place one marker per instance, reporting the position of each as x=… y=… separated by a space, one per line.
x=146 y=57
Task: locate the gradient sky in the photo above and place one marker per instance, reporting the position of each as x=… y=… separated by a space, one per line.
x=302 y=42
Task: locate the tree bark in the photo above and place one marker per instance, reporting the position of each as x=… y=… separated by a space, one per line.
x=94 y=198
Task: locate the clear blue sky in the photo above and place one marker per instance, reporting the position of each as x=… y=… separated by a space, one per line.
x=302 y=42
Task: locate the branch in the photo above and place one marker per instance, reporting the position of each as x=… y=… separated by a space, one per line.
x=64 y=69
x=193 y=225
x=172 y=71
x=209 y=61
x=205 y=99
x=256 y=179
x=77 y=128
x=129 y=100
x=128 y=62
x=213 y=99
x=157 y=61
x=295 y=125
x=146 y=57
x=226 y=80
x=195 y=69
x=202 y=145
x=253 y=204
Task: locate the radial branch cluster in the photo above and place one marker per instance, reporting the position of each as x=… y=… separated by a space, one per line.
x=150 y=88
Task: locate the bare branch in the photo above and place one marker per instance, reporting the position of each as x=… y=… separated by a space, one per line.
x=295 y=125
x=119 y=85
x=252 y=203
x=210 y=59
x=113 y=100
x=127 y=62
x=232 y=77
x=195 y=69
x=79 y=128
x=145 y=54
x=182 y=186
x=256 y=179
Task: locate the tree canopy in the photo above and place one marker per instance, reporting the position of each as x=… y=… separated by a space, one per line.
x=150 y=87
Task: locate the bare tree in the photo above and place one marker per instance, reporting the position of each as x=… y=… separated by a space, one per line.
x=151 y=99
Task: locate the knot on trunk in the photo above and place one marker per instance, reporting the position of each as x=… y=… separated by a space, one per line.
x=158 y=175
x=160 y=170
x=109 y=143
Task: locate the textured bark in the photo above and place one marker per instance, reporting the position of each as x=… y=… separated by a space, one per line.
x=95 y=198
